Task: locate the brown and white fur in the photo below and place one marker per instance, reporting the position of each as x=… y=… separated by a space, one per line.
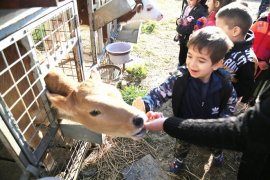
x=96 y=105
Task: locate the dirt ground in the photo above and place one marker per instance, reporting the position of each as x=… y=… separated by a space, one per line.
x=159 y=53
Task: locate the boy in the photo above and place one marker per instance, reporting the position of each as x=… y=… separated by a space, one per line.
x=236 y=21
x=191 y=13
x=201 y=90
x=248 y=133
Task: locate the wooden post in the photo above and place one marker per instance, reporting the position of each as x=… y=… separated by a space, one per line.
x=100 y=35
x=92 y=32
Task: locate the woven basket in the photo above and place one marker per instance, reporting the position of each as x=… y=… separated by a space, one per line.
x=110 y=74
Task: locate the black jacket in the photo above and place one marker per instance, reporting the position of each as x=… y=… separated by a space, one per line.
x=197 y=12
x=248 y=133
x=239 y=61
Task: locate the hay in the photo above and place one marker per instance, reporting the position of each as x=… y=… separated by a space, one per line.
x=107 y=161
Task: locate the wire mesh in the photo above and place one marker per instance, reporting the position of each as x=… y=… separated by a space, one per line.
x=49 y=42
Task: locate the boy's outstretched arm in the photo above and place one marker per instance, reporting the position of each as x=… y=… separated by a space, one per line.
x=157 y=96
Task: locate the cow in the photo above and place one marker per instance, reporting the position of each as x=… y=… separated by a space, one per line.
x=97 y=105
x=143 y=10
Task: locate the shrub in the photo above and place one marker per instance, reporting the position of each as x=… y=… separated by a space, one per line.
x=129 y=93
x=136 y=74
x=148 y=28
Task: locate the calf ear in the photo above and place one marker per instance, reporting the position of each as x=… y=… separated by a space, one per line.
x=59 y=102
x=139 y=8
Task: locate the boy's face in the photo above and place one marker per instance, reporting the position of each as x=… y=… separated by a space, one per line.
x=193 y=2
x=199 y=64
x=221 y=23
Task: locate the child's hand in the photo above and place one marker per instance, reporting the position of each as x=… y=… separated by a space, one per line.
x=154 y=115
x=139 y=104
x=155 y=124
x=178 y=21
x=263 y=65
x=155 y=121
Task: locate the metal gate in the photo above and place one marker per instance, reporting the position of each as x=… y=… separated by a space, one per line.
x=45 y=38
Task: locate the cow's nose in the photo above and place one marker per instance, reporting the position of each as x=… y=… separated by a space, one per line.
x=138 y=121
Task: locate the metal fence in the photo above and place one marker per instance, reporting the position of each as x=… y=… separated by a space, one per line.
x=47 y=38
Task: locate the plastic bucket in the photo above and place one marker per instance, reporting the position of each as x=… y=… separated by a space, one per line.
x=119 y=52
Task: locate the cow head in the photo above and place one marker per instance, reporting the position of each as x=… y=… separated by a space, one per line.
x=147 y=10
x=96 y=105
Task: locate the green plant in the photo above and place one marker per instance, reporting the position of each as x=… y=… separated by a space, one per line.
x=129 y=93
x=38 y=35
x=136 y=74
x=148 y=27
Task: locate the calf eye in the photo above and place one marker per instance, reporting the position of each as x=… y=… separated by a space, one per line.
x=149 y=9
x=95 y=112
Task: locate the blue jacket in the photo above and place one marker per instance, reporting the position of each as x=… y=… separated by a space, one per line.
x=198 y=100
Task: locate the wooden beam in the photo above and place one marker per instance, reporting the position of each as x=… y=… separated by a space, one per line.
x=18 y=4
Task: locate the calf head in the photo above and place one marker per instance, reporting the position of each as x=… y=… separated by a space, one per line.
x=147 y=10
x=96 y=105
x=143 y=10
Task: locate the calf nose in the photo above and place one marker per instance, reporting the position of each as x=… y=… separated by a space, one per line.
x=138 y=121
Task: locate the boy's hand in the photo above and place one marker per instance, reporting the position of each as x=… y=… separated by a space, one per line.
x=139 y=104
x=155 y=125
x=155 y=121
x=154 y=115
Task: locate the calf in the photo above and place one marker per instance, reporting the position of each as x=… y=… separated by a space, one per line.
x=96 y=105
x=143 y=10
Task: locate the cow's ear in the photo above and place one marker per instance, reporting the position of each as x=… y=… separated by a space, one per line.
x=139 y=7
x=61 y=103
x=94 y=74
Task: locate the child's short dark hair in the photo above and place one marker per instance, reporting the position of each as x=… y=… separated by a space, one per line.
x=225 y=2
x=236 y=14
x=213 y=39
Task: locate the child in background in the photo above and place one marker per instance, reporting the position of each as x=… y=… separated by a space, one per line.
x=200 y=91
x=236 y=21
x=261 y=47
x=213 y=7
x=263 y=7
x=193 y=11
